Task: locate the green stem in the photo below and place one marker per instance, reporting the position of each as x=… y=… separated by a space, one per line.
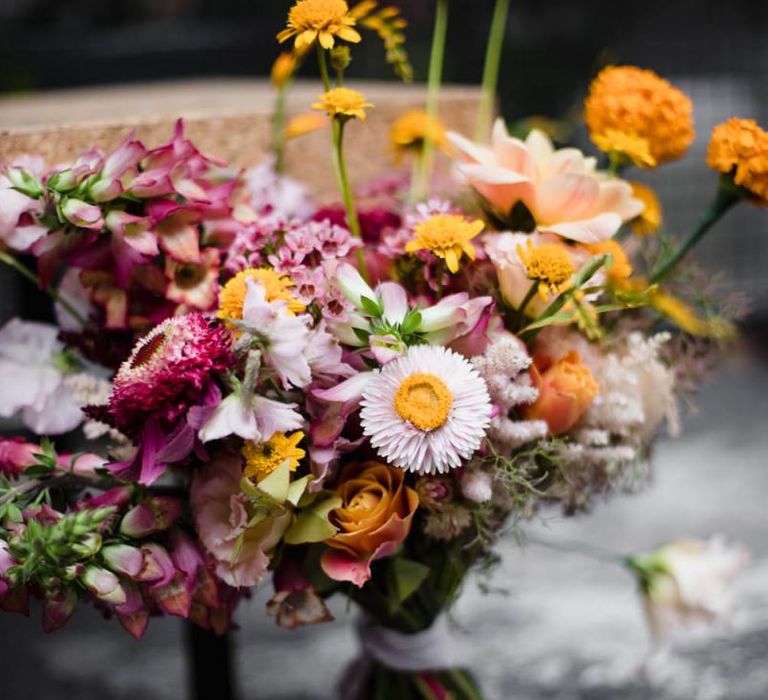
x=491 y=69
x=527 y=299
x=322 y=62
x=436 y=57
x=588 y=550
x=278 y=127
x=727 y=196
x=340 y=168
x=20 y=267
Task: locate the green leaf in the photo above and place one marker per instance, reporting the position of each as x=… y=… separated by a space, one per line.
x=411 y=322
x=312 y=524
x=406 y=576
x=362 y=334
x=277 y=483
x=371 y=307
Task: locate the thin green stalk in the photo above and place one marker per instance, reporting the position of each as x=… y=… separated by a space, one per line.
x=727 y=196
x=20 y=267
x=278 y=127
x=491 y=69
x=322 y=62
x=340 y=168
x=527 y=299
x=588 y=550
x=437 y=55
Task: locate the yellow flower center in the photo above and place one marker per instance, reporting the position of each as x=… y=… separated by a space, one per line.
x=343 y=102
x=317 y=14
x=424 y=401
x=364 y=501
x=276 y=287
x=448 y=236
x=262 y=458
x=548 y=264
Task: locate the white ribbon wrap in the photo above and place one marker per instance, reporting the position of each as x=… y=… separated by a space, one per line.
x=431 y=649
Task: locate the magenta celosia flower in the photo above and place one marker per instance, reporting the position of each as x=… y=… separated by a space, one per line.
x=168 y=371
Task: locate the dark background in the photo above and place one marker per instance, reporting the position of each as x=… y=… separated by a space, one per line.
x=716 y=51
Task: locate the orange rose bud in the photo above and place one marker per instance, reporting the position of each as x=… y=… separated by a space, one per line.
x=373 y=519
x=566 y=390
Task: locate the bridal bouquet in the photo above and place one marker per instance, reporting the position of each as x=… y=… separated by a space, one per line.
x=355 y=399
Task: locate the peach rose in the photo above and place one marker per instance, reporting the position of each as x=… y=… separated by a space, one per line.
x=566 y=390
x=373 y=519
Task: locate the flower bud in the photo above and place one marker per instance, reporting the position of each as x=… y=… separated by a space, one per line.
x=158 y=567
x=25 y=182
x=88 y=546
x=104 y=585
x=82 y=214
x=123 y=559
x=476 y=485
x=151 y=515
x=58 y=608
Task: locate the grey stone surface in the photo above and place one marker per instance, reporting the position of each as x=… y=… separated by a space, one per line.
x=560 y=626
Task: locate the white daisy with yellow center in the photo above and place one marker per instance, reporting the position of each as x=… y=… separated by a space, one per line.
x=427 y=411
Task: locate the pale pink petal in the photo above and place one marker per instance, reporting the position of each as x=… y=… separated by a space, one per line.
x=349 y=390
x=502 y=188
x=595 y=230
x=468 y=151
x=341 y=566
x=395 y=301
x=568 y=197
x=511 y=153
x=616 y=196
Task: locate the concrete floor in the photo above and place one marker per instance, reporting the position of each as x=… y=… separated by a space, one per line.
x=562 y=627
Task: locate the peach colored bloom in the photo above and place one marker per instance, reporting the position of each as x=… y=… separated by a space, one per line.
x=373 y=519
x=561 y=189
x=566 y=390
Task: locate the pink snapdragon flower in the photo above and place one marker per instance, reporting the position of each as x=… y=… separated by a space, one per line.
x=561 y=189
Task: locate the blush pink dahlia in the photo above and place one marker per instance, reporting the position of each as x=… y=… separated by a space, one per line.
x=169 y=371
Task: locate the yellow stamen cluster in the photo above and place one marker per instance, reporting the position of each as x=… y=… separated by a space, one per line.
x=447 y=236
x=303 y=124
x=548 y=264
x=262 y=458
x=276 y=287
x=626 y=147
x=319 y=20
x=642 y=105
x=412 y=129
x=649 y=221
x=739 y=147
x=621 y=269
x=343 y=103
x=424 y=401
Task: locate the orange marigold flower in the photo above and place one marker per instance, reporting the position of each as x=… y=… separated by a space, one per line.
x=739 y=147
x=641 y=105
x=410 y=131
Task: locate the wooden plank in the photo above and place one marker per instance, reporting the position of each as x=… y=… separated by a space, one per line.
x=229 y=118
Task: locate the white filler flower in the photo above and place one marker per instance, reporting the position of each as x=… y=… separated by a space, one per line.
x=426 y=411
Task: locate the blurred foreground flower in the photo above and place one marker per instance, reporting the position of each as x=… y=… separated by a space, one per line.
x=684 y=583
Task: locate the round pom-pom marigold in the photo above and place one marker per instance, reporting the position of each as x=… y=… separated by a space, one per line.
x=640 y=104
x=739 y=147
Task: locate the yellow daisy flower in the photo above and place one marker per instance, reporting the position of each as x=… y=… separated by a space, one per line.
x=548 y=264
x=413 y=128
x=621 y=269
x=343 y=103
x=262 y=458
x=447 y=236
x=647 y=223
x=319 y=20
x=232 y=295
